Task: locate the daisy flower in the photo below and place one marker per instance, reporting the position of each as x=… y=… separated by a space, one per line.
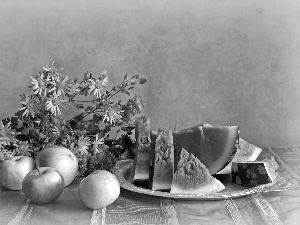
x=83 y=145
x=54 y=103
x=53 y=80
x=39 y=84
x=97 y=86
x=8 y=154
x=29 y=106
x=96 y=144
x=24 y=148
x=54 y=69
x=74 y=88
x=60 y=86
x=6 y=131
x=113 y=114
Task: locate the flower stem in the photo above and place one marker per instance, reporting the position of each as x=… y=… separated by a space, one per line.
x=38 y=169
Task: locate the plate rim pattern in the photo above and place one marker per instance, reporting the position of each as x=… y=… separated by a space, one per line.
x=280 y=184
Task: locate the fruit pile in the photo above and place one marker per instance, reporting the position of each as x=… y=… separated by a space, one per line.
x=43 y=180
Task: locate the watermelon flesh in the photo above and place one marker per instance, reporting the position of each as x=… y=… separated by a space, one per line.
x=214 y=146
x=163 y=163
x=141 y=165
x=192 y=177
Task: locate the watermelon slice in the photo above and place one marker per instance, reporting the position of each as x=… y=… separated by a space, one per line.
x=163 y=165
x=245 y=152
x=192 y=177
x=254 y=173
x=141 y=164
x=214 y=146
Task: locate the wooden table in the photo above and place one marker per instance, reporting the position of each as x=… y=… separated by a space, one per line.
x=132 y=208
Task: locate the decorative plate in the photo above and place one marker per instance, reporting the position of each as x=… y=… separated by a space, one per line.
x=123 y=170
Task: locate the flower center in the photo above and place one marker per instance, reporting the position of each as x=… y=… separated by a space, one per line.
x=98 y=84
x=55 y=101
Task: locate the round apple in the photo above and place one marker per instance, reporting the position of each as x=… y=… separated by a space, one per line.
x=43 y=185
x=13 y=171
x=99 y=189
x=60 y=158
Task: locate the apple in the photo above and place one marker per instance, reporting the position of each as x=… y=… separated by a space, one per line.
x=43 y=185
x=13 y=171
x=99 y=189
x=60 y=158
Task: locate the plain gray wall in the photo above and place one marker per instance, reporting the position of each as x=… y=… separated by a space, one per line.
x=230 y=62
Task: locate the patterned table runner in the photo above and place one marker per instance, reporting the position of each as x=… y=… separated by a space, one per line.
x=255 y=209
x=132 y=208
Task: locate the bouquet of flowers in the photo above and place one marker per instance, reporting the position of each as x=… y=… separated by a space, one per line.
x=99 y=111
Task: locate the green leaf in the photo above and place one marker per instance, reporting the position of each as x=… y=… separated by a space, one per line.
x=89 y=109
x=6 y=131
x=93 y=129
x=125 y=77
x=130 y=88
x=79 y=117
x=78 y=105
x=83 y=90
x=127 y=92
x=96 y=119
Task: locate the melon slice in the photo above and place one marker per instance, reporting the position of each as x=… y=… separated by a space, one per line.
x=163 y=166
x=245 y=152
x=192 y=177
x=214 y=146
x=254 y=173
x=141 y=164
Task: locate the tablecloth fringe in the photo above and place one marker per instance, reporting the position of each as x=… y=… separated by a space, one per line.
x=21 y=217
x=98 y=217
x=169 y=214
x=267 y=209
x=234 y=212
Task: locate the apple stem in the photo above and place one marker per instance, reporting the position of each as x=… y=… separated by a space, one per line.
x=38 y=169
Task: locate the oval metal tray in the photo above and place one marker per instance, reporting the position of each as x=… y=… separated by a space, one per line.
x=123 y=170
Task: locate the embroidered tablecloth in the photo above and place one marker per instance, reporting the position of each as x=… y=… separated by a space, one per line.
x=132 y=208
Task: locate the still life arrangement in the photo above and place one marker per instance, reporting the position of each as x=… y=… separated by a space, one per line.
x=41 y=152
